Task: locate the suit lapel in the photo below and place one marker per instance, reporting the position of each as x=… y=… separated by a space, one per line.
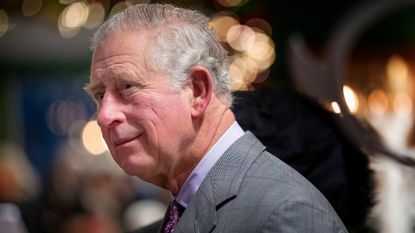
x=221 y=185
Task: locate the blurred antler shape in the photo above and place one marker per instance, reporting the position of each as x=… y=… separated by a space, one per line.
x=323 y=80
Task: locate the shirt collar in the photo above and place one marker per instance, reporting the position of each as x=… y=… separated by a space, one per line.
x=199 y=173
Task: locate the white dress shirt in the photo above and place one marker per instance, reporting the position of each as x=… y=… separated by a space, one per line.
x=199 y=173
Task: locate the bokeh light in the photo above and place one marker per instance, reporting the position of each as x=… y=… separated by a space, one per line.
x=222 y=22
x=378 y=102
x=397 y=73
x=262 y=51
x=92 y=139
x=402 y=104
x=62 y=114
x=252 y=49
x=334 y=107
x=242 y=72
x=72 y=18
x=96 y=15
x=240 y=37
x=351 y=98
x=75 y=15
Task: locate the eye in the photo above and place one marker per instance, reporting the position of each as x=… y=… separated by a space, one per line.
x=127 y=85
x=99 y=95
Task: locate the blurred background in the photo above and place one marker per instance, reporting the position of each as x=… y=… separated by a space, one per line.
x=57 y=176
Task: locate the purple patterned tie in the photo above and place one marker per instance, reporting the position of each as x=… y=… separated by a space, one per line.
x=175 y=211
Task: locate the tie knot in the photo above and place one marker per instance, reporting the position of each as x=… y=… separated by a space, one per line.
x=175 y=206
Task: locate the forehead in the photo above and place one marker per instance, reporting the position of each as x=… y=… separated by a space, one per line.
x=124 y=45
x=124 y=53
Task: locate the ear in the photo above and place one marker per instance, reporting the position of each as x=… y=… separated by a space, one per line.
x=202 y=87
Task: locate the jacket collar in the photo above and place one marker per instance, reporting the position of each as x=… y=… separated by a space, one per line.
x=221 y=185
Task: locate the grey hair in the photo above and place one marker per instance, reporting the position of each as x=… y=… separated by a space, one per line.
x=182 y=40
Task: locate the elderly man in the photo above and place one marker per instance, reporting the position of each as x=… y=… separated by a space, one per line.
x=159 y=78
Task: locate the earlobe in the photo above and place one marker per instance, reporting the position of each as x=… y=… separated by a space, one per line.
x=201 y=82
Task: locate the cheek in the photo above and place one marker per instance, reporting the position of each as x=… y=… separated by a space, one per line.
x=107 y=140
x=106 y=137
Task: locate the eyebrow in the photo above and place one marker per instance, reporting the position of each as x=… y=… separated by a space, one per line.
x=91 y=88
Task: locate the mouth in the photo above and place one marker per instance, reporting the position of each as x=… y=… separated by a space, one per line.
x=125 y=141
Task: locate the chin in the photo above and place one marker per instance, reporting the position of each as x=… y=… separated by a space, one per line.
x=133 y=167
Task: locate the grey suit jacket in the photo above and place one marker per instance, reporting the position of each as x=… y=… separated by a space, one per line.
x=251 y=190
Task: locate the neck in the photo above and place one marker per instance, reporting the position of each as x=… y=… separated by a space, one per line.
x=207 y=131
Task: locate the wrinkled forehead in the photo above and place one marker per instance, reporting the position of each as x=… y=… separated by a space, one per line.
x=132 y=42
x=122 y=43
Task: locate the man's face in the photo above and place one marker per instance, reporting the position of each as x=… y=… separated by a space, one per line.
x=144 y=121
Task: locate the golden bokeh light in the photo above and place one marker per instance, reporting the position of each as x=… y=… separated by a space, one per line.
x=242 y=73
x=4 y=22
x=255 y=54
x=351 y=98
x=378 y=102
x=75 y=15
x=72 y=18
x=92 y=139
x=31 y=7
x=221 y=23
x=240 y=37
x=402 y=104
x=96 y=15
x=262 y=51
x=397 y=73
x=236 y=75
x=334 y=107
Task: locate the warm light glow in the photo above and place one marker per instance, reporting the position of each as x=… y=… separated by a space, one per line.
x=118 y=7
x=236 y=75
x=230 y=3
x=242 y=73
x=96 y=16
x=92 y=139
x=256 y=55
x=261 y=24
x=72 y=18
x=240 y=37
x=31 y=7
x=378 y=102
x=351 y=98
x=397 y=73
x=335 y=107
x=4 y=22
x=75 y=15
x=246 y=63
x=262 y=51
x=221 y=23
x=402 y=104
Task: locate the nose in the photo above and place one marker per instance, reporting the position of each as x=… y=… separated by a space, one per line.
x=109 y=112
